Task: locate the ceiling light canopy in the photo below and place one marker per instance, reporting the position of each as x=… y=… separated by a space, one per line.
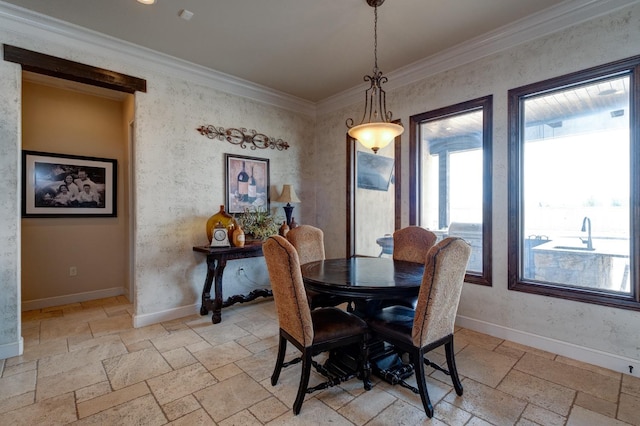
x=147 y=1
x=375 y=130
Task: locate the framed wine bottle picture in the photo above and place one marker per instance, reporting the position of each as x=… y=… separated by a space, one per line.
x=246 y=183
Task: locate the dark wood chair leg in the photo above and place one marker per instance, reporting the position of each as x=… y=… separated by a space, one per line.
x=418 y=365
x=365 y=367
x=451 y=365
x=304 y=380
x=282 y=349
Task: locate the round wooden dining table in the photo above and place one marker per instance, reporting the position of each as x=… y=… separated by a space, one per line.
x=364 y=278
x=367 y=281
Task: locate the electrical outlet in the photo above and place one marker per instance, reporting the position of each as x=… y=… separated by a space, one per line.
x=73 y=271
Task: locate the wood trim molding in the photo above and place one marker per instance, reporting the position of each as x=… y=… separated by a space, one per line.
x=74 y=71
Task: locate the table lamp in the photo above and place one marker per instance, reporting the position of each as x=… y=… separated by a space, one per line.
x=288 y=196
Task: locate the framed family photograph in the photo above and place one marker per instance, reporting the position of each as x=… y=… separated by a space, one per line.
x=62 y=185
x=246 y=183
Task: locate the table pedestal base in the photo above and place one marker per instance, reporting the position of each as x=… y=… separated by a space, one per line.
x=384 y=360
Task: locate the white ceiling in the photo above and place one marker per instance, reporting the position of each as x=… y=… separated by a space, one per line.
x=311 y=49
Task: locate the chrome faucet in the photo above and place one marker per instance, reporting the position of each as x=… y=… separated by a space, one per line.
x=586 y=226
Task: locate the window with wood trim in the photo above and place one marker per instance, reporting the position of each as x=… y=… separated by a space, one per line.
x=450 y=183
x=573 y=186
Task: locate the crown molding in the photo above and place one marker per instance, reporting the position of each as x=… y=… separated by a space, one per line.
x=59 y=36
x=548 y=21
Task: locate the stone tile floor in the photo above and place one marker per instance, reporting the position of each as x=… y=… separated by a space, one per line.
x=84 y=364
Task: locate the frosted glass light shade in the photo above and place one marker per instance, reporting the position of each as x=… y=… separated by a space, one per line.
x=376 y=135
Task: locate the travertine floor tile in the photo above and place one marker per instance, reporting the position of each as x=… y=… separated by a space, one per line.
x=92 y=391
x=487 y=403
x=181 y=407
x=537 y=391
x=629 y=410
x=449 y=414
x=179 y=357
x=189 y=371
x=61 y=363
x=402 y=414
x=145 y=333
x=226 y=371
x=135 y=367
x=313 y=413
x=179 y=383
x=34 y=352
x=244 y=418
x=175 y=340
x=17 y=384
x=240 y=392
x=111 y=325
x=580 y=417
x=140 y=411
x=59 y=410
x=19 y=368
x=69 y=381
x=111 y=399
x=62 y=328
x=465 y=337
x=15 y=402
x=483 y=366
x=366 y=406
x=226 y=333
x=631 y=385
x=268 y=409
x=603 y=387
x=541 y=416
x=198 y=417
x=259 y=366
x=221 y=355
x=598 y=405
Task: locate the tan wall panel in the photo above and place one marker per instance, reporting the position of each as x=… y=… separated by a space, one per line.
x=62 y=121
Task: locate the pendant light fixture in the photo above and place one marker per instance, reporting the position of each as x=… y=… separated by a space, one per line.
x=375 y=130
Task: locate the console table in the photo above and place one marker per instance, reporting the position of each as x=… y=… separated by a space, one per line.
x=217 y=258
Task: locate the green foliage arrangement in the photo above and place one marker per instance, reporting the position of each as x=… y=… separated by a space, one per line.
x=258 y=223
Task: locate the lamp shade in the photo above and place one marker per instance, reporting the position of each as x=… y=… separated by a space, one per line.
x=288 y=195
x=376 y=135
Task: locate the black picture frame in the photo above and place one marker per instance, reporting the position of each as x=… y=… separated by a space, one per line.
x=45 y=173
x=258 y=168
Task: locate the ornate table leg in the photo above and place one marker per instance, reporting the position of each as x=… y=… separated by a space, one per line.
x=206 y=290
x=217 y=298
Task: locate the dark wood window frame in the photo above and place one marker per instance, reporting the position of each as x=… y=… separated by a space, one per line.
x=486 y=105
x=630 y=67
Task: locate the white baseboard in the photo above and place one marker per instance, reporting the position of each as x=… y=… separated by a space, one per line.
x=29 y=305
x=9 y=350
x=166 y=315
x=591 y=356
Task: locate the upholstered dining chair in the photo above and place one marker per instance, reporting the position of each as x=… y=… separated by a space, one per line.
x=311 y=332
x=430 y=325
x=309 y=243
x=412 y=243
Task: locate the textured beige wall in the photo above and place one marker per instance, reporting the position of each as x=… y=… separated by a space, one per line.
x=61 y=121
x=179 y=183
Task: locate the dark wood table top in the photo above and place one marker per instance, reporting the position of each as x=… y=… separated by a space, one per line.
x=364 y=277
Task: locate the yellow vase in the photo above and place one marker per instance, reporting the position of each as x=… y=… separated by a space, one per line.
x=223 y=217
